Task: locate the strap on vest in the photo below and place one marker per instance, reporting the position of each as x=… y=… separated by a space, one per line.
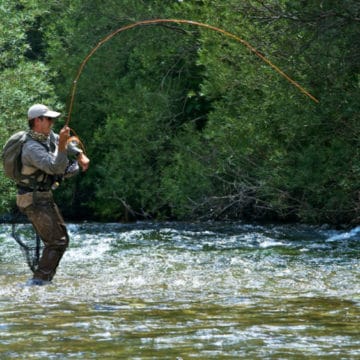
x=48 y=180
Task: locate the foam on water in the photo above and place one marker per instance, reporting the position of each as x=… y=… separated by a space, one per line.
x=352 y=234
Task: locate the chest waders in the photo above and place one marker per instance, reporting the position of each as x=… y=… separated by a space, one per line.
x=47 y=222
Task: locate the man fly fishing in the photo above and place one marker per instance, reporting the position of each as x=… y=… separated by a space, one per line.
x=46 y=159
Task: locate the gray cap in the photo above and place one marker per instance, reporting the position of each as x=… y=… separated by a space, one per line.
x=39 y=110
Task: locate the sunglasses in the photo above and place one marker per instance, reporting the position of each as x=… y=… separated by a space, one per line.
x=48 y=118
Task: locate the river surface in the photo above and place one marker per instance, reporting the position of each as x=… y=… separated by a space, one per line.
x=186 y=291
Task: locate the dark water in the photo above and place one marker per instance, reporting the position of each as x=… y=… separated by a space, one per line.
x=187 y=291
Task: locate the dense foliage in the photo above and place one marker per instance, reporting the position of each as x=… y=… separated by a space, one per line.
x=182 y=122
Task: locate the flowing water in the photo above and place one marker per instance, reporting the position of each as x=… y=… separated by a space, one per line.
x=186 y=291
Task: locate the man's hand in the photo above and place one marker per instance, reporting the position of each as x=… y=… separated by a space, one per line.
x=63 y=137
x=83 y=161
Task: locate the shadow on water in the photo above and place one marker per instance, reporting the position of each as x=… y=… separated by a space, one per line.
x=187 y=291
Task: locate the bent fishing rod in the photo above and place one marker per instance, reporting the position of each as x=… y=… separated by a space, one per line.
x=177 y=21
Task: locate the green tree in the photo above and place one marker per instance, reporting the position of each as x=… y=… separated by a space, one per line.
x=132 y=99
x=181 y=121
x=24 y=78
x=300 y=158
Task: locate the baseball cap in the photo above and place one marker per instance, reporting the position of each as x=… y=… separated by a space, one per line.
x=38 y=110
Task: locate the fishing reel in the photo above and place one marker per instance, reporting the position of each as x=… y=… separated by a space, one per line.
x=75 y=146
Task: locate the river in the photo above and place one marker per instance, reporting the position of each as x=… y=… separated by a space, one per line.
x=187 y=291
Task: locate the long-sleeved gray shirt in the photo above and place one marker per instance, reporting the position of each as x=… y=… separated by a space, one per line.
x=36 y=157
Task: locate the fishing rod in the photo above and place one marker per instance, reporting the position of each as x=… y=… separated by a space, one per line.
x=176 y=21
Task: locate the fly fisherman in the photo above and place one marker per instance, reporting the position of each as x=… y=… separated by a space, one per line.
x=46 y=158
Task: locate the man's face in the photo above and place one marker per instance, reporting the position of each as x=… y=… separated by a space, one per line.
x=45 y=125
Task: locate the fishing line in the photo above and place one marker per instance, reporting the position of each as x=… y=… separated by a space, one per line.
x=177 y=21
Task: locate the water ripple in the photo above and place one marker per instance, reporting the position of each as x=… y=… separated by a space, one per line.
x=179 y=290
